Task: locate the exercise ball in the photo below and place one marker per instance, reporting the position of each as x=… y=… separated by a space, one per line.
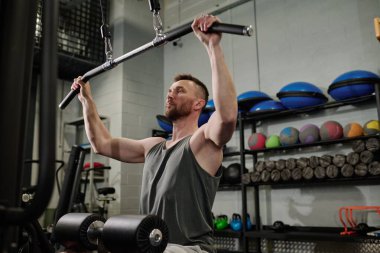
x=353 y=84
x=273 y=141
x=331 y=130
x=164 y=123
x=203 y=118
x=210 y=106
x=371 y=127
x=256 y=141
x=248 y=99
x=301 y=94
x=352 y=130
x=309 y=133
x=289 y=136
x=267 y=106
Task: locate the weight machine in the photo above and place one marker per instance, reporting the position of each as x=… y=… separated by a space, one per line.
x=17 y=27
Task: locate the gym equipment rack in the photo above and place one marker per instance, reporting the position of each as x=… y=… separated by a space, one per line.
x=263 y=235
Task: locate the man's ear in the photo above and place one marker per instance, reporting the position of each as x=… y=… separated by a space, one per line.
x=199 y=104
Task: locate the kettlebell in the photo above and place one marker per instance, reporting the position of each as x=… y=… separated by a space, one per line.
x=362 y=228
x=236 y=223
x=249 y=223
x=221 y=222
x=279 y=226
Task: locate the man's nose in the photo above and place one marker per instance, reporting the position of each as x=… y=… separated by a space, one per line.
x=170 y=94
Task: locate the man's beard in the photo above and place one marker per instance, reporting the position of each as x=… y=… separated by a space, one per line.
x=177 y=113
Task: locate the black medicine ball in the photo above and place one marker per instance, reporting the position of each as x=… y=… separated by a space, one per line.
x=232 y=174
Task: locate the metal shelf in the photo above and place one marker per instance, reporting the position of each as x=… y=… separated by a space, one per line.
x=228 y=187
x=311 y=233
x=315 y=144
x=309 y=109
x=228 y=233
x=301 y=233
x=366 y=180
x=230 y=154
x=227 y=251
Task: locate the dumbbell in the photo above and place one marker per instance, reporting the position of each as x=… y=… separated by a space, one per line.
x=125 y=233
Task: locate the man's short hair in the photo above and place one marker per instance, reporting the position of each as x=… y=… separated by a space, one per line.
x=196 y=81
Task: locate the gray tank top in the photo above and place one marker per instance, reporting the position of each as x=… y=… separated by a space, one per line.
x=176 y=188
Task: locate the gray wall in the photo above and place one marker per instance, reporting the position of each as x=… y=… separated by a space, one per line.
x=313 y=41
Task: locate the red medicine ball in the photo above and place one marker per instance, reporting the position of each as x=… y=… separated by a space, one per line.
x=256 y=141
x=331 y=130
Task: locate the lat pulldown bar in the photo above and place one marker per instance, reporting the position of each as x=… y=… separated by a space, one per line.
x=157 y=41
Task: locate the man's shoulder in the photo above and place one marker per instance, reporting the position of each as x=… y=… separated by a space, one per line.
x=150 y=142
x=208 y=155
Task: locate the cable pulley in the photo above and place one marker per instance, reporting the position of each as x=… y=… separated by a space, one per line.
x=160 y=39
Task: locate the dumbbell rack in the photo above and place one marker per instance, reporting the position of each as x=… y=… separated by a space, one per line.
x=297 y=233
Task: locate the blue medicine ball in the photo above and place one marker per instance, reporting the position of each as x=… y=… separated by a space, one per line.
x=206 y=113
x=210 y=106
x=164 y=123
x=248 y=99
x=353 y=84
x=289 y=136
x=203 y=118
x=301 y=94
x=167 y=125
x=267 y=106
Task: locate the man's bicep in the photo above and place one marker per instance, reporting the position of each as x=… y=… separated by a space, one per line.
x=134 y=151
x=125 y=150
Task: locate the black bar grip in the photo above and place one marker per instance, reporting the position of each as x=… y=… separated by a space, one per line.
x=159 y=40
x=231 y=28
x=87 y=76
x=178 y=32
x=216 y=27
x=68 y=98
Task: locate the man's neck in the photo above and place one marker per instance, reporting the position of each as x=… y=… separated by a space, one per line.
x=183 y=128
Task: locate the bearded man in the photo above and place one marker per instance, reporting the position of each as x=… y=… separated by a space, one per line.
x=180 y=175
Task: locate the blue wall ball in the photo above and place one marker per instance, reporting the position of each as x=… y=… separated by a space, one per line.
x=289 y=136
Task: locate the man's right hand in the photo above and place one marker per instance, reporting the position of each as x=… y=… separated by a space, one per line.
x=200 y=26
